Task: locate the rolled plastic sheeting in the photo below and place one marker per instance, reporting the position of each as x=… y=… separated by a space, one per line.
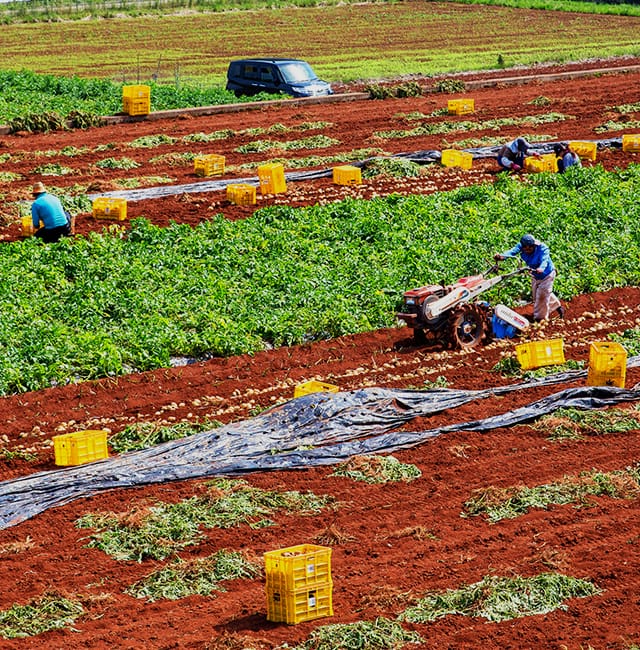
x=335 y=425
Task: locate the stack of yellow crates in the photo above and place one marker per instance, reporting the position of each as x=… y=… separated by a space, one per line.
x=299 y=584
x=80 y=447
x=314 y=386
x=136 y=100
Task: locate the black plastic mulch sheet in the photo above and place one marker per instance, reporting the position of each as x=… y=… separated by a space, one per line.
x=420 y=157
x=335 y=426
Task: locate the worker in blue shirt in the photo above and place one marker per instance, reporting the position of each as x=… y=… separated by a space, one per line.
x=511 y=155
x=48 y=210
x=566 y=157
x=536 y=256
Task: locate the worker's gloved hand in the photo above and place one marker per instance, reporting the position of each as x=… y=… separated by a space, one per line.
x=498 y=258
x=516 y=168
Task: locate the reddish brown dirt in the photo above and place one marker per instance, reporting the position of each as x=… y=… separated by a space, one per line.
x=389 y=558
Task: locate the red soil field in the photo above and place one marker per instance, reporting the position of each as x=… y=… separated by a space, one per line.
x=391 y=543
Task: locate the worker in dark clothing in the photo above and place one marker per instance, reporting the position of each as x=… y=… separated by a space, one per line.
x=47 y=209
x=566 y=157
x=511 y=155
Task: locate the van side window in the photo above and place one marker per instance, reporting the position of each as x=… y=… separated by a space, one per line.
x=251 y=72
x=266 y=74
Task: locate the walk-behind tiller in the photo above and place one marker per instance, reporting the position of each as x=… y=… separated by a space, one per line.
x=450 y=314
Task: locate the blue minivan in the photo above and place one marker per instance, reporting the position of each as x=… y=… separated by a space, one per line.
x=288 y=76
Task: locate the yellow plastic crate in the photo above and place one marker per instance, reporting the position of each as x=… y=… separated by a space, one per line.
x=210 y=165
x=300 y=605
x=107 y=208
x=314 y=387
x=27 y=226
x=80 y=447
x=546 y=163
x=460 y=106
x=136 y=100
x=631 y=143
x=347 y=175
x=585 y=149
x=536 y=354
x=241 y=194
x=455 y=158
x=271 y=177
x=607 y=364
x=297 y=567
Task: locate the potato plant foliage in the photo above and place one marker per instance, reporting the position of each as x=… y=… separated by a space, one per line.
x=118 y=302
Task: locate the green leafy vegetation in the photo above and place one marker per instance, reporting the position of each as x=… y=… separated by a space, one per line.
x=502 y=599
x=163 y=529
x=380 y=634
x=49 y=612
x=509 y=366
x=377 y=469
x=441 y=128
x=629 y=340
x=571 y=424
x=16 y=454
x=117 y=163
x=508 y=503
x=201 y=576
x=142 y=435
x=409 y=89
x=117 y=302
x=312 y=142
x=393 y=167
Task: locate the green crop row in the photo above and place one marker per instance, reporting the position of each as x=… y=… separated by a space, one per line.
x=24 y=94
x=118 y=302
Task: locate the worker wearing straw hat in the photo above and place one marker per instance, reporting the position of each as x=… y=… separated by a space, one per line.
x=47 y=209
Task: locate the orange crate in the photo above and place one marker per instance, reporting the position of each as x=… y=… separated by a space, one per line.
x=460 y=106
x=314 y=387
x=297 y=567
x=241 y=194
x=209 y=165
x=455 y=158
x=299 y=605
x=347 y=175
x=607 y=364
x=80 y=447
x=585 y=149
x=536 y=354
x=631 y=143
x=271 y=177
x=106 y=208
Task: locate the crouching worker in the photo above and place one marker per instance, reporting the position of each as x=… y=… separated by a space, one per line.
x=46 y=208
x=511 y=155
x=536 y=256
x=566 y=157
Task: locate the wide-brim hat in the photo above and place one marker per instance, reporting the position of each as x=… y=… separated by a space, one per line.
x=38 y=188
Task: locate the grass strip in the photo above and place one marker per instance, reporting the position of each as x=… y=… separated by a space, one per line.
x=571 y=424
x=377 y=469
x=380 y=634
x=142 y=435
x=161 y=530
x=49 y=612
x=501 y=599
x=512 y=502
x=201 y=576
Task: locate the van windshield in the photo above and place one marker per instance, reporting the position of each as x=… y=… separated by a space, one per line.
x=297 y=72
